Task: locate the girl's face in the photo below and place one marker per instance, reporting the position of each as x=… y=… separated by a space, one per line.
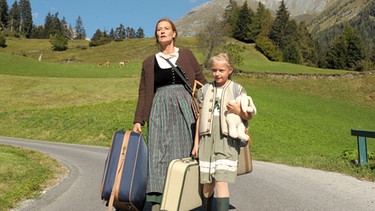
x=165 y=33
x=220 y=72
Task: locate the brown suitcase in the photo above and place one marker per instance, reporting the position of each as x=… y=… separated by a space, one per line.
x=245 y=163
x=182 y=189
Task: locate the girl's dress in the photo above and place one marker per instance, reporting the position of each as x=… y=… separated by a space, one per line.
x=218 y=153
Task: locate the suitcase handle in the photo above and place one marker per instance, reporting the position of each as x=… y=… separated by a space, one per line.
x=188 y=159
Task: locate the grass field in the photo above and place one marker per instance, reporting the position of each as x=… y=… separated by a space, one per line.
x=304 y=114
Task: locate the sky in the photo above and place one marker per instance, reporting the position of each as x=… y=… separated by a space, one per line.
x=108 y=14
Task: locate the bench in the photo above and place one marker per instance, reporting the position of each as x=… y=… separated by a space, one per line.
x=362 y=144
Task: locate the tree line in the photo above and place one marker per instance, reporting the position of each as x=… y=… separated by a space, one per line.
x=17 y=21
x=281 y=38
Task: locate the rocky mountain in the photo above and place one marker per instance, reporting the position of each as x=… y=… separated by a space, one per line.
x=195 y=19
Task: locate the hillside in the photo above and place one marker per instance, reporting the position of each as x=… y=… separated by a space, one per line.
x=194 y=20
x=338 y=13
x=360 y=14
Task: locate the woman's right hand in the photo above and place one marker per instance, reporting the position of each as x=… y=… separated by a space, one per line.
x=137 y=128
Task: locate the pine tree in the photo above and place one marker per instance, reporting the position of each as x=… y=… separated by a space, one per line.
x=112 y=35
x=356 y=49
x=4 y=14
x=261 y=23
x=140 y=33
x=292 y=53
x=231 y=15
x=80 y=30
x=14 y=18
x=26 y=18
x=99 y=38
x=347 y=51
x=281 y=28
x=241 y=27
x=52 y=25
x=120 y=32
x=336 y=54
x=307 y=45
x=66 y=29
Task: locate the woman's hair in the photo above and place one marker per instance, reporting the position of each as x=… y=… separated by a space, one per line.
x=173 y=28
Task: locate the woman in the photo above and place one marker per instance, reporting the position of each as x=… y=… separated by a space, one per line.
x=165 y=105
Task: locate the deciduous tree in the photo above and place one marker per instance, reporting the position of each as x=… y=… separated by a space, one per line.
x=210 y=38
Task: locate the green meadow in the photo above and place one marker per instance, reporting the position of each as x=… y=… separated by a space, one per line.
x=304 y=118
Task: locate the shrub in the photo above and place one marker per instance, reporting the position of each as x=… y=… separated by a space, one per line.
x=267 y=48
x=2 y=40
x=59 y=42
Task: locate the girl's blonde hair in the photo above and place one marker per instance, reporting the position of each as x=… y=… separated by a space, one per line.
x=223 y=57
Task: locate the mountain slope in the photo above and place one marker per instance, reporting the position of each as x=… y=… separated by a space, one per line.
x=340 y=12
x=195 y=19
x=359 y=14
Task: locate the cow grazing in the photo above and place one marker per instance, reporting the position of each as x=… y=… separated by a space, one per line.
x=107 y=63
x=123 y=63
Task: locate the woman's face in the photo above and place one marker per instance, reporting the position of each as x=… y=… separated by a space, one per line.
x=220 y=72
x=165 y=33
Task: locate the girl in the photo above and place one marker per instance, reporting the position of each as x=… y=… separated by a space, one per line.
x=218 y=153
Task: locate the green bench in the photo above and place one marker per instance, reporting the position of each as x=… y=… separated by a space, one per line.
x=362 y=144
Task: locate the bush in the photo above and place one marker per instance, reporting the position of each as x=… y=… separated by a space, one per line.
x=2 y=40
x=268 y=49
x=100 y=41
x=59 y=42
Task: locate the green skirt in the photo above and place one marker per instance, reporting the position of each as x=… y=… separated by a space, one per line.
x=170 y=132
x=218 y=156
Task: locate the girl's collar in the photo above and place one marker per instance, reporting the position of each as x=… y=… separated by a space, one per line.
x=226 y=84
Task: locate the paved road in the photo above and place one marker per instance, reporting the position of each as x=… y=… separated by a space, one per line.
x=269 y=187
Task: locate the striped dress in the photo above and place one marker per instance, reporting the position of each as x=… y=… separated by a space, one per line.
x=170 y=132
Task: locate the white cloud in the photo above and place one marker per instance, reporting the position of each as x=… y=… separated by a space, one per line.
x=35 y=15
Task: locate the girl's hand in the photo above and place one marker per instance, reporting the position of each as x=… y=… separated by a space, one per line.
x=195 y=151
x=234 y=107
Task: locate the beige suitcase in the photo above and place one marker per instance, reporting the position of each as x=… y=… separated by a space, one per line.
x=182 y=188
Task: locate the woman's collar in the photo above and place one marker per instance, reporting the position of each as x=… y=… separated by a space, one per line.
x=168 y=56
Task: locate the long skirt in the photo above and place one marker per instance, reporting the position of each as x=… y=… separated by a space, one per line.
x=218 y=156
x=170 y=132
